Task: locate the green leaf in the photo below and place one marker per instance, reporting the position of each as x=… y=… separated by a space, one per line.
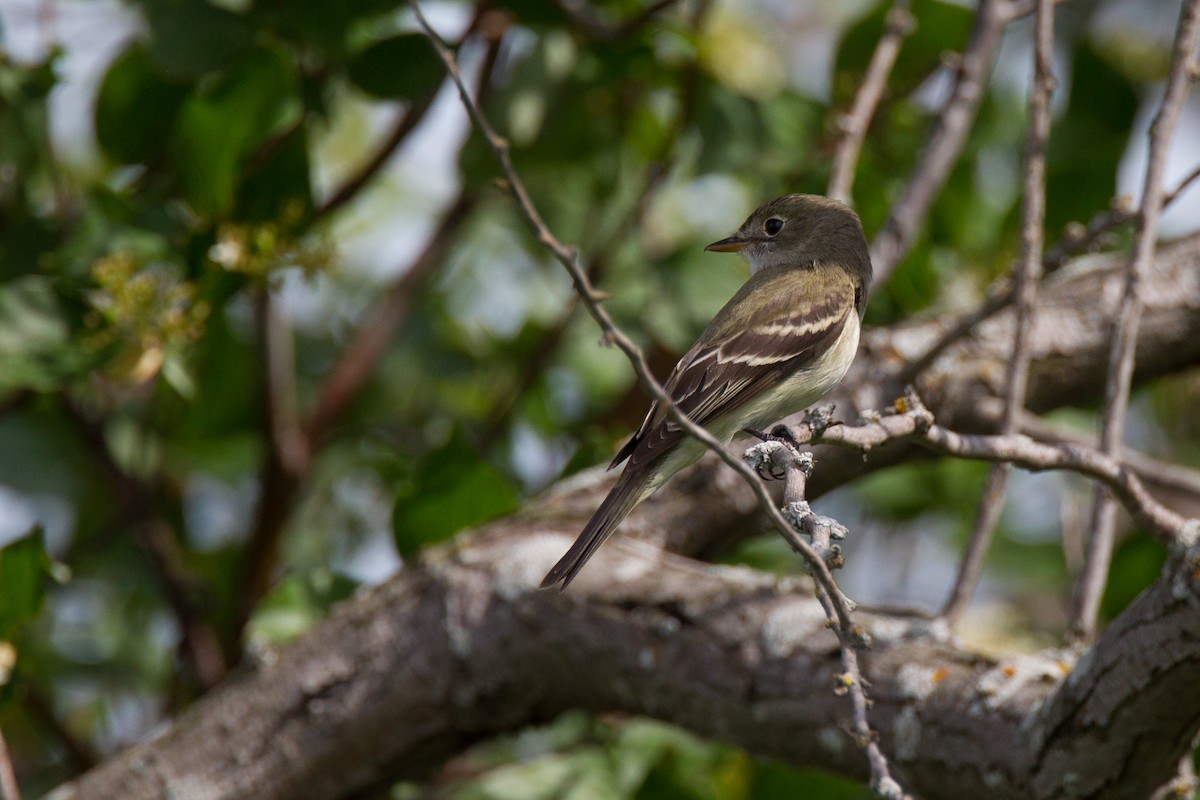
x=1136 y=565
x=451 y=489
x=35 y=345
x=403 y=66
x=136 y=108
x=940 y=27
x=1086 y=147
x=773 y=780
x=296 y=604
x=278 y=189
x=189 y=38
x=23 y=567
x=219 y=130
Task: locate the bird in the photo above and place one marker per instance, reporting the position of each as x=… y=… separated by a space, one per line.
x=779 y=345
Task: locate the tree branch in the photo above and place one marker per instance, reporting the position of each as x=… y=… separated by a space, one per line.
x=898 y=25
x=1098 y=553
x=1016 y=378
x=8 y=778
x=840 y=604
x=462 y=647
x=950 y=130
x=910 y=419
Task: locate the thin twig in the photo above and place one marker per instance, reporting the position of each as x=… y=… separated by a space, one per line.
x=1159 y=475
x=844 y=627
x=1078 y=239
x=500 y=416
x=1125 y=328
x=1033 y=217
x=769 y=459
x=78 y=753
x=912 y=420
x=406 y=122
x=854 y=125
x=277 y=343
x=159 y=543
x=584 y=17
x=8 y=777
x=950 y=130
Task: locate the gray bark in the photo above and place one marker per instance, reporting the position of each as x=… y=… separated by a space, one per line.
x=460 y=647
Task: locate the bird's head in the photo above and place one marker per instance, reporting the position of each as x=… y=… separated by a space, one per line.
x=801 y=230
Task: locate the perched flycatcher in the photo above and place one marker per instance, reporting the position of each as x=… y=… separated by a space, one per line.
x=784 y=340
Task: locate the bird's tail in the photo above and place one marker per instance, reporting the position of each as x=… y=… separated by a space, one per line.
x=620 y=501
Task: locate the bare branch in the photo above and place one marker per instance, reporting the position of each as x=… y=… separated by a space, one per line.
x=1078 y=239
x=1033 y=217
x=461 y=646
x=1125 y=328
x=406 y=122
x=598 y=260
x=950 y=130
x=584 y=17
x=797 y=466
x=909 y=419
x=898 y=26
x=278 y=357
x=570 y=261
x=8 y=778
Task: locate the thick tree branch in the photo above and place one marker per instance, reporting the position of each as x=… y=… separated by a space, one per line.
x=381 y=653
x=463 y=647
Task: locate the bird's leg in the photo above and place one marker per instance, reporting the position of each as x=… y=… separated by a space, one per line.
x=783 y=433
x=780 y=433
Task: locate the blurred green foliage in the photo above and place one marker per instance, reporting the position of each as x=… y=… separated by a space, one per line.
x=133 y=325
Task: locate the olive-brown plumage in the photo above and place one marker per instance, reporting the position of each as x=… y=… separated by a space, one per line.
x=781 y=343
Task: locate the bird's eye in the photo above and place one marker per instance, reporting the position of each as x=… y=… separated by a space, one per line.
x=773 y=226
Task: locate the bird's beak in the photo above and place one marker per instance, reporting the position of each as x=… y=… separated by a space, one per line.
x=731 y=244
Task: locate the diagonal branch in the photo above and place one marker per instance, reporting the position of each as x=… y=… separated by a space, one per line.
x=1184 y=66
x=1078 y=239
x=461 y=647
x=406 y=122
x=899 y=24
x=569 y=259
x=950 y=130
x=1016 y=379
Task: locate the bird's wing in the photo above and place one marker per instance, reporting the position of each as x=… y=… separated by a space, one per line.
x=725 y=371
